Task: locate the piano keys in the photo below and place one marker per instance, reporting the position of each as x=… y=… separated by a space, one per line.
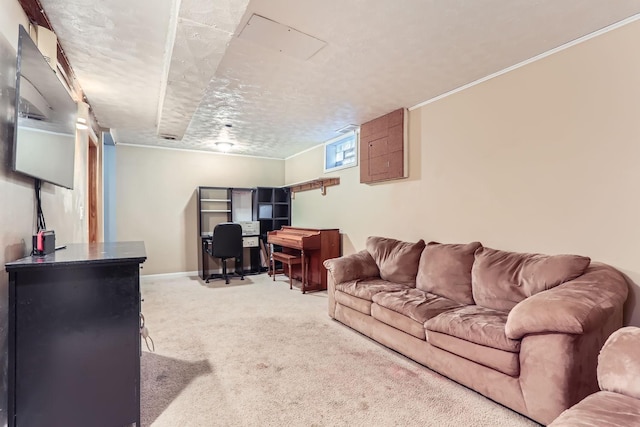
x=314 y=246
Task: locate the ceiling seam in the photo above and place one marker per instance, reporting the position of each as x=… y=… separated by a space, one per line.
x=201 y=24
x=171 y=40
x=160 y=147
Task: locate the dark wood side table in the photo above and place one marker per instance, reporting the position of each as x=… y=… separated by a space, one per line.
x=74 y=338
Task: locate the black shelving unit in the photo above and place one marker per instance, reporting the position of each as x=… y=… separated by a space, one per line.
x=272 y=208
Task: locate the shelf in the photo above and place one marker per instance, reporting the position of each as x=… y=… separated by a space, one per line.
x=321 y=183
x=215 y=200
x=215 y=210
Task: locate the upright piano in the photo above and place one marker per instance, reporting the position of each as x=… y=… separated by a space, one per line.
x=314 y=245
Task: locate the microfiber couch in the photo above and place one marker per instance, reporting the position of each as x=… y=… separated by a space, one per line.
x=522 y=329
x=618 y=402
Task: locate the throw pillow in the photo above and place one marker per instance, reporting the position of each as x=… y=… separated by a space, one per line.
x=397 y=261
x=445 y=270
x=500 y=279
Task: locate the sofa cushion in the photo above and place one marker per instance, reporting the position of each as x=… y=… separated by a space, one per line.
x=414 y=303
x=504 y=361
x=351 y=267
x=618 y=365
x=358 y=304
x=367 y=288
x=445 y=270
x=398 y=321
x=500 y=279
x=603 y=408
x=397 y=261
x=476 y=324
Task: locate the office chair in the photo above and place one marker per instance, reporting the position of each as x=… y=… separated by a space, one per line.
x=226 y=243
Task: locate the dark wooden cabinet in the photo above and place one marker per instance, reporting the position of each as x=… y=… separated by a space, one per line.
x=382 y=148
x=74 y=337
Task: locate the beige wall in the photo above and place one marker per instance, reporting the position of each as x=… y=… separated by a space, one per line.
x=156 y=198
x=359 y=210
x=62 y=207
x=65 y=210
x=541 y=159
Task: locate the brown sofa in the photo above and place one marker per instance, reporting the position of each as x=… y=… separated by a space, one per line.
x=522 y=329
x=618 y=402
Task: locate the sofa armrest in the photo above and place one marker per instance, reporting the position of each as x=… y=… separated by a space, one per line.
x=574 y=307
x=618 y=364
x=351 y=267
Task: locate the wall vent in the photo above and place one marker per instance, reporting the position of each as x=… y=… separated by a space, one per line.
x=347 y=128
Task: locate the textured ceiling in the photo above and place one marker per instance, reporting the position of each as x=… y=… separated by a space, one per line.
x=170 y=67
x=202 y=34
x=116 y=49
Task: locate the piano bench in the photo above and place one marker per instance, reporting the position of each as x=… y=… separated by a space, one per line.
x=288 y=259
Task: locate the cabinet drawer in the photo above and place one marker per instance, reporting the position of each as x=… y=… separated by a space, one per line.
x=395 y=139
x=379 y=165
x=386 y=167
x=396 y=165
x=250 y=242
x=396 y=117
x=374 y=126
x=378 y=148
x=250 y=228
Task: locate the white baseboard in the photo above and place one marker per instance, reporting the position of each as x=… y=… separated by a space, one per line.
x=169 y=275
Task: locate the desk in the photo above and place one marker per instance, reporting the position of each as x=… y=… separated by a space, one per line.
x=207 y=249
x=250 y=243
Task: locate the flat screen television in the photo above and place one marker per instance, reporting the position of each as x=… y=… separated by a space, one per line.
x=45 y=116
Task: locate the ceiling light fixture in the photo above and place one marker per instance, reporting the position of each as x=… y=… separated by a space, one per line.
x=224 y=146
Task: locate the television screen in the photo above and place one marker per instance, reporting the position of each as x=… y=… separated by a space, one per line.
x=45 y=132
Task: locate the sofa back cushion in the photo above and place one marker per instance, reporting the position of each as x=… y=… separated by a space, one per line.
x=618 y=365
x=445 y=270
x=397 y=261
x=500 y=279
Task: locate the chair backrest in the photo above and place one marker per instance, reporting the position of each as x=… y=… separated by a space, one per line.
x=227 y=240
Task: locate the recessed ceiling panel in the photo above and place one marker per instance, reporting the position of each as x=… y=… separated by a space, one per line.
x=281 y=38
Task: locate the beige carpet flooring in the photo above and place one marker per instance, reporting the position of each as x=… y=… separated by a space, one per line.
x=254 y=353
